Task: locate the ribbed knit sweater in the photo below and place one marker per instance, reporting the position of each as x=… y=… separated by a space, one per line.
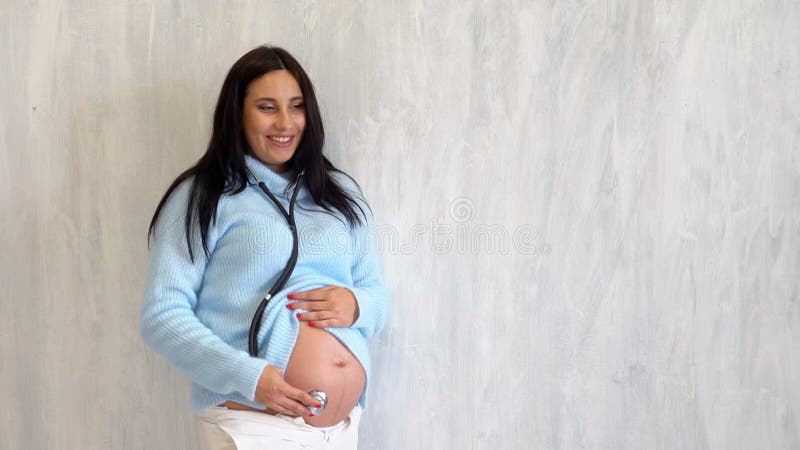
x=197 y=314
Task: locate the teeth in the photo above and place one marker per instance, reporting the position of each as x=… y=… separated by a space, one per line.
x=282 y=140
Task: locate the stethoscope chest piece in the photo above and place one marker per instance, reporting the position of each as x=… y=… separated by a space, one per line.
x=322 y=398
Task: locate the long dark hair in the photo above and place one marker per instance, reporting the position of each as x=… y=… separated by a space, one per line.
x=222 y=168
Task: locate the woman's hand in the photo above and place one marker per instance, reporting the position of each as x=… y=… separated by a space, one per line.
x=329 y=306
x=278 y=395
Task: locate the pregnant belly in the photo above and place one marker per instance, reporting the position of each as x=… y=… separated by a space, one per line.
x=320 y=361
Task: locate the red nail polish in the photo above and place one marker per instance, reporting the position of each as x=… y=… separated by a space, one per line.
x=311 y=324
x=290 y=296
x=289 y=307
x=317 y=405
x=298 y=315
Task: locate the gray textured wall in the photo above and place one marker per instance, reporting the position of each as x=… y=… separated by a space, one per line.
x=629 y=173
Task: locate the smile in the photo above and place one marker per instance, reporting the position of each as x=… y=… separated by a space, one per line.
x=281 y=141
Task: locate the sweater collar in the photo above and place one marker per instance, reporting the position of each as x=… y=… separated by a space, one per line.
x=277 y=183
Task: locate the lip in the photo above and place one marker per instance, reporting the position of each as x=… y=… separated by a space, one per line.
x=281 y=144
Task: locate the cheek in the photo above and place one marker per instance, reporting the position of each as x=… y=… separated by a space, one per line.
x=247 y=123
x=253 y=122
x=251 y=130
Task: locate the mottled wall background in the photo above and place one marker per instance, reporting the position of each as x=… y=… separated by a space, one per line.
x=590 y=213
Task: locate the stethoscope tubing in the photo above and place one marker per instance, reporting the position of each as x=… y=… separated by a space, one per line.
x=255 y=325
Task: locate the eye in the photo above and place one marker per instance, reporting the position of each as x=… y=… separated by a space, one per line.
x=298 y=106
x=266 y=108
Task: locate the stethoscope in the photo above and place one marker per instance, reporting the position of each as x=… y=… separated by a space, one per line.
x=255 y=325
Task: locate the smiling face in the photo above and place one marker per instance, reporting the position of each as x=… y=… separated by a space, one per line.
x=274 y=118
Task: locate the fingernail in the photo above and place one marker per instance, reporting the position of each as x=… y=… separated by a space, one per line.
x=317 y=405
x=298 y=315
x=310 y=415
x=311 y=324
x=290 y=296
x=289 y=307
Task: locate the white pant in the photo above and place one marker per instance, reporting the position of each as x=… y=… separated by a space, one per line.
x=220 y=428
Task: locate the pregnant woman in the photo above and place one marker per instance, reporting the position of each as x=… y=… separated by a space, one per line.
x=264 y=281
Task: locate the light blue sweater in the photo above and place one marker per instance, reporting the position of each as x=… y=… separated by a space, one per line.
x=197 y=315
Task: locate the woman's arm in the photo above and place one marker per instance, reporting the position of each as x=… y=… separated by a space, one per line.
x=372 y=297
x=168 y=322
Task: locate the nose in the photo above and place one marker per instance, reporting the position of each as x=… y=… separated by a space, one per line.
x=283 y=121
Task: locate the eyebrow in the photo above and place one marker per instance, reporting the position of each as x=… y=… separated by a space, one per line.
x=270 y=99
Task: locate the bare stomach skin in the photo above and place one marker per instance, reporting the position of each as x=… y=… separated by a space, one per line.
x=320 y=361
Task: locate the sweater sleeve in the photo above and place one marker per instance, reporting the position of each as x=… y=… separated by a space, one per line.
x=168 y=323
x=368 y=288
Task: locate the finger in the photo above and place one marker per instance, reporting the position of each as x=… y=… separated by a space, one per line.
x=313 y=294
x=278 y=408
x=308 y=306
x=329 y=323
x=293 y=408
x=280 y=404
x=289 y=400
x=316 y=315
x=304 y=398
x=297 y=395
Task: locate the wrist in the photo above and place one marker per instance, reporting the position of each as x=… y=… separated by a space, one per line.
x=356 y=310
